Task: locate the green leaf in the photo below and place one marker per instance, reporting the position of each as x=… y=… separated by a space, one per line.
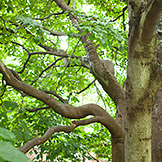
x=37 y=39
x=11 y=104
x=109 y=44
x=2 y=160
x=11 y=154
x=2 y=89
x=18 y=133
x=27 y=134
x=6 y=134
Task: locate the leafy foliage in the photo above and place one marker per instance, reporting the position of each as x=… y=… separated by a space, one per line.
x=24 y=31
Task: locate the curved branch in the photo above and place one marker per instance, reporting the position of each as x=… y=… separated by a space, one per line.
x=40 y=140
x=103 y=75
x=152 y=15
x=21 y=46
x=64 y=109
x=67 y=129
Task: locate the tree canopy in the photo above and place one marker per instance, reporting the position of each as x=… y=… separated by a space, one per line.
x=54 y=79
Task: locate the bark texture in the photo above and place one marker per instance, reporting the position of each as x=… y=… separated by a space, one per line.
x=157 y=111
x=157 y=129
x=143 y=81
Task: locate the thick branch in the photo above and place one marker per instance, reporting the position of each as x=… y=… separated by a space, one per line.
x=152 y=14
x=40 y=140
x=103 y=75
x=62 y=5
x=63 y=109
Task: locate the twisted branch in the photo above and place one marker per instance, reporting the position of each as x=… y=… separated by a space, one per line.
x=67 y=129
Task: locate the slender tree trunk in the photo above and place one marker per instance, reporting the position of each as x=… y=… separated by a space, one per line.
x=140 y=96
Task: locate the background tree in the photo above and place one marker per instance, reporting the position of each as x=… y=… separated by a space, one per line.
x=57 y=50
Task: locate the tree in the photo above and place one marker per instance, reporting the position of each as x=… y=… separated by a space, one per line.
x=38 y=26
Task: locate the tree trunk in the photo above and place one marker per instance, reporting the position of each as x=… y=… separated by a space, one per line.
x=138 y=136
x=143 y=80
x=140 y=101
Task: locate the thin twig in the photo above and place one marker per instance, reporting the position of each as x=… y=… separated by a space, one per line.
x=123 y=11
x=48 y=67
x=24 y=66
x=99 y=93
x=67 y=65
x=27 y=57
x=49 y=52
x=53 y=53
x=93 y=157
x=21 y=46
x=43 y=18
x=124 y=17
x=54 y=33
x=56 y=95
x=58 y=13
x=86 y=87
x=40 y=108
